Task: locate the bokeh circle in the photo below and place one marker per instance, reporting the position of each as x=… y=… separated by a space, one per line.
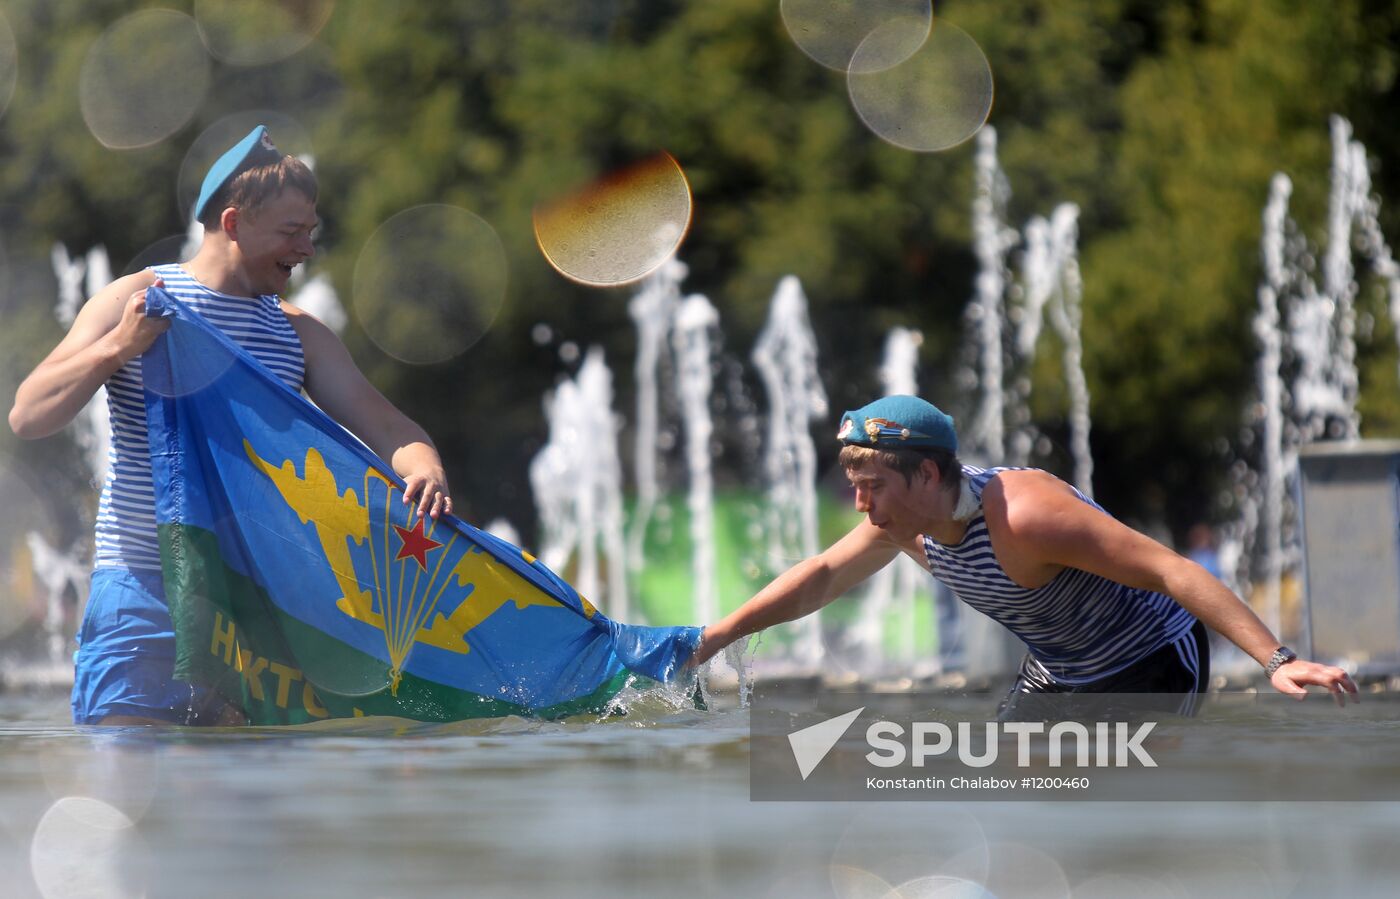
x=124 y=776
x=86 y=847
x=258 y=32
x=143 y=79
x=830 y=31
x=621 y=227
x=429 y=283
x=934 y=100
x=172 y=248
x=900 y=855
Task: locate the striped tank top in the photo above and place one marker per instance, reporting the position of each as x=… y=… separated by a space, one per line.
x=1079 y=627
x=126 y=517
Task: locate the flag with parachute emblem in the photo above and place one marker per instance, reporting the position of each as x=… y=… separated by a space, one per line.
x=302 y=587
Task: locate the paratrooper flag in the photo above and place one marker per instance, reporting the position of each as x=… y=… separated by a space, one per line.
x=303 y=587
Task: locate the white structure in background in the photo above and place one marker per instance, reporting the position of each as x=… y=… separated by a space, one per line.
x=1006 y=316
x=577 y=483
x=1307 y=375
x=194 y=238
x=99 y=270
x=70 y=273
x=680 y=331
x=1004 y=319
x=653 y=310
x=895 y=588
x=786 y=358
x=696 y=321
x=318 y=297
x=500 y=527
x=93 y=424
x=79 y=279
x=983 y=438
x=56 y=571
x=1051 y=285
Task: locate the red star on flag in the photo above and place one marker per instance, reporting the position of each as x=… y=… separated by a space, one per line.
x=416 y=544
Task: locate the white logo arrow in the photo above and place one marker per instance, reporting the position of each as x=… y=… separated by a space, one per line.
x=811 y=744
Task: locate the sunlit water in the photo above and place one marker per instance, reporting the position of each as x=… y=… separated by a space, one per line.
x=653 y=803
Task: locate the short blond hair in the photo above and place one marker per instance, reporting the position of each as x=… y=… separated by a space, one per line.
x=907 y=461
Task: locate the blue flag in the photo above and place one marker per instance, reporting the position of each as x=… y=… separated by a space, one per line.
x=302 y=586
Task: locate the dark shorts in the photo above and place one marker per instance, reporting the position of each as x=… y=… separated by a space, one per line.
x=1179 y=671
x=126 y=655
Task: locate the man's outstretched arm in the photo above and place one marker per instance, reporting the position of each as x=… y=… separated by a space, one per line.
x=804 y=588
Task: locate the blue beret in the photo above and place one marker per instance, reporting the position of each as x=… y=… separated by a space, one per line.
x=899 y=421
x=254 y=150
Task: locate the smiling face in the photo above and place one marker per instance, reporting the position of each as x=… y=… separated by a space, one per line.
x=900 y=508
x=274 y=239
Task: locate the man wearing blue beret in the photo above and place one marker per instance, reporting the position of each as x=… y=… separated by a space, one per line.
x=1101 y=607
x=258 y=208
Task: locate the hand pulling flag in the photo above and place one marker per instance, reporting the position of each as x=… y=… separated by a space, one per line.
x=302 y=586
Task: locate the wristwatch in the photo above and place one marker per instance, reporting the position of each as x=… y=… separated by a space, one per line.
x=1282 y=656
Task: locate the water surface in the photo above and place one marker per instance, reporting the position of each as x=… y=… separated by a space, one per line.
x=653 y=803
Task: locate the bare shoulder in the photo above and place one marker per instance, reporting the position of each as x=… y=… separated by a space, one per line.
x=1020 y=500
x=316 y=337
x=126 y=285
x=298 y=316
x=333 y=380
x=119 y=291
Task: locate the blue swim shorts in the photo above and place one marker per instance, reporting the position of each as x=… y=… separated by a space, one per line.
x=126 y=655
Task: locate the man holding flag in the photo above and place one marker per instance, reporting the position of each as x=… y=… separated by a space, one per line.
x=258 y=208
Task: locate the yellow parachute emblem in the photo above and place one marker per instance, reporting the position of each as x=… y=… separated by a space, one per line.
x=402 y=600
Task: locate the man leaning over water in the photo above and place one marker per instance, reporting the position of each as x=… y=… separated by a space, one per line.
x=258 y=208
x=1101 y=607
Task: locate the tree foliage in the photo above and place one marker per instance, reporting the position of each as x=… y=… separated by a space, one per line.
x=1164 y=122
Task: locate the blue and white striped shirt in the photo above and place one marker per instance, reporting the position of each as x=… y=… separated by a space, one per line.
x=1080 y=627
x=126 y=516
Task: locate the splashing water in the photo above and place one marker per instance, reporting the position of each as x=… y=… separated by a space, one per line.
x=1307 y=374
x=786 y=358
x=1051 y=285
x=577 y=483
x=653 y=310
x=696 y=319
x=1006 y=316
x=894 y=589
x=985 y=437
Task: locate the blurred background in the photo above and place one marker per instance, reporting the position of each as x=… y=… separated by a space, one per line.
x=1162 y=122
x=488 y=168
